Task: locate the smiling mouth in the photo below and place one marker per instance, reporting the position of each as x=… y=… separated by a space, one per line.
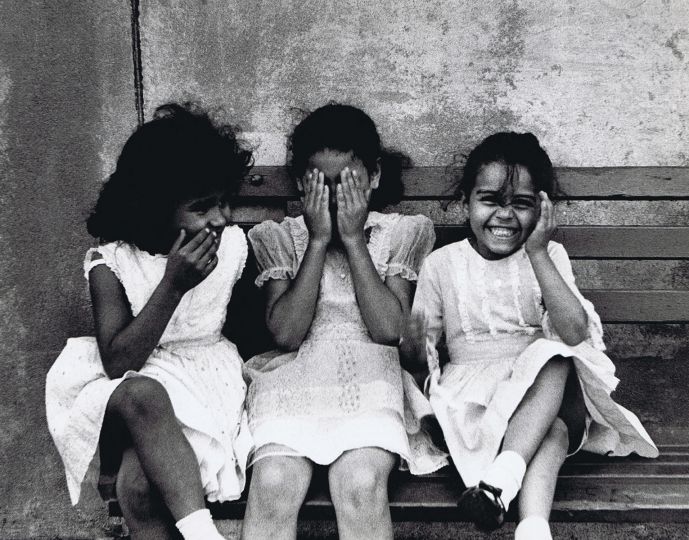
x=503 y=232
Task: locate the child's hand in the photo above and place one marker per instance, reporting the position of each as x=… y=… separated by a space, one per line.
x=352 y=206
x=545 y=227
x=316 y=211
x=189 y=264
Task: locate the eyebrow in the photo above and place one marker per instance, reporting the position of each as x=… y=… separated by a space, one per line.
x=497 y=192
x=202 y=203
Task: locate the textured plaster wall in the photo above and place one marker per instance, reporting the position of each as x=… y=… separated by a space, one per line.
x=66 y=104
x=601 y=82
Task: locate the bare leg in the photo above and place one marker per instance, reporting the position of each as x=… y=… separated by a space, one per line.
x=565 y=434
x=530 y=424
x=537 y=411
x=142 y=405
x=359 y=490
x=143 y=509
x=277 y=491
x=538 y=488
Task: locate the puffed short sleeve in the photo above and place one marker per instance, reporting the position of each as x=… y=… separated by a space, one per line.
x=273 y=247
x=103 y=254
x=564 y=266
x=411 y=240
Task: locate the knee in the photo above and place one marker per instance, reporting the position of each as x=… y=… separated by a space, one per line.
x=562 y=363
x=140 y=397
x=364 y=489
x=280 y=485
x=558 y=434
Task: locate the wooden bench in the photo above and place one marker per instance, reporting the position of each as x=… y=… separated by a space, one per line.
x=627 y=232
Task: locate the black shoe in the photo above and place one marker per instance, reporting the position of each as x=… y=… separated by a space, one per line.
x=482 y=505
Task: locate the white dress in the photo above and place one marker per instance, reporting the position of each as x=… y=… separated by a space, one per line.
x=499 y=337
x=340 y=391
x=200 y=369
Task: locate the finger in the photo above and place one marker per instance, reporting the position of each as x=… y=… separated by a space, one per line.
x=356 y=179
x=325 y=198
x=198 y=239
x=308 y=185
x=357 y=191
x=203 y=247
x=548 y=214
x=208 y=256
x=347 y=183
x=210 y=266
x=339 y=197
x=178 y=242
x=316 y=188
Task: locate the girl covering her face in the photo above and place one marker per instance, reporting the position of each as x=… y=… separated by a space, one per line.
x=338 y=282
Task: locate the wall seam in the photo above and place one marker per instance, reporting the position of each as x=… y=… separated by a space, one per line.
x=136 y=58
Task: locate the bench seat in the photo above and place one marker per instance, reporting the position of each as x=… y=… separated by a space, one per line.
x=635 y=268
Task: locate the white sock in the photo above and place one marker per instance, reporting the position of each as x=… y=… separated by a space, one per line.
x=198 y=526
x=506 y=473
x=533 y=528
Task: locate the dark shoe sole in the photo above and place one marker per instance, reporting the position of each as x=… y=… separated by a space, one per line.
x=479 y=507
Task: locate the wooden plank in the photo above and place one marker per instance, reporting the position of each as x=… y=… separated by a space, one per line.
x=640 y=306
x=605 y=242
x=616 y=213
x=438 y=182
x=632 y=274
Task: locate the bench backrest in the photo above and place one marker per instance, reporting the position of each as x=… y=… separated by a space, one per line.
x=626 y=230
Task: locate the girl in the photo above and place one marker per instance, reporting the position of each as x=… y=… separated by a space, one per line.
x=159 y=383
x=338 y=283
x=526 y=383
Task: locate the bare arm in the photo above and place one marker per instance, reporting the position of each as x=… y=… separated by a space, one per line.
x=564 y=309
x=384 y=305
x=291 y=304
x=125 y=342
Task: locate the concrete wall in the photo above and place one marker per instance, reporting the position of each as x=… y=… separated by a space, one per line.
x=601 y=82
x=66 y=105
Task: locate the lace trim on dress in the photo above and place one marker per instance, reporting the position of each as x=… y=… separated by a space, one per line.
x=402 y=270
x=381 y=226
x=515 y=276
x=300 y=237
x=462 y=263
x=282 y=272
x=485 y=300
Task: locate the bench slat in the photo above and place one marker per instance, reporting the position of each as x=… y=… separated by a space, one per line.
x=640 y=306
x=591 y=493
x=437 y=182
x=607 y=242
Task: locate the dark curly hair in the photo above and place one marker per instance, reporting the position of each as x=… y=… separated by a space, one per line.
x=345 y=128
x=180 y=154
x=513 y=149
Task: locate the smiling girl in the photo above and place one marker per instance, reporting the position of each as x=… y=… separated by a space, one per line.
x=159 y=388
x=526 y=383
